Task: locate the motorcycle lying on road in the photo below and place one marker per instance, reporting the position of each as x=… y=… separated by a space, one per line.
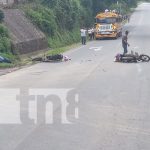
x=52 y=58
x=132 y=57
x=57 y=57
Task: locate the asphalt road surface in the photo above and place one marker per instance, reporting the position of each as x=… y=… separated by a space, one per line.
x=109 y=103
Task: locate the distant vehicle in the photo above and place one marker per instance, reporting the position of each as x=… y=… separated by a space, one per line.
x=108 y=24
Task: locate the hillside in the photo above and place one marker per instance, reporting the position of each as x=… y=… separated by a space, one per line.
x=25 y=37
x=62 y=19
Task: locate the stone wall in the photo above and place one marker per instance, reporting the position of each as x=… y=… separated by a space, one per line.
x=7 y=2
x=25 y=36
x=30 y=46
x=11 y=2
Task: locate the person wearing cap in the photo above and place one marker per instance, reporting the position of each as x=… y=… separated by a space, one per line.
x=125 y=43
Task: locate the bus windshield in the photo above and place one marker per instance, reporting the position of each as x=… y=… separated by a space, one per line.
x=106 y=20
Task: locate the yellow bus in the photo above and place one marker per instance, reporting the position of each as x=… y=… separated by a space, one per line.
x=108 y=24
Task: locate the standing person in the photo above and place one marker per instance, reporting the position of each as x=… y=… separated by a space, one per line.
x=125 y=43
x=83 y=36
x=90 y=33
x=93 y=33
x=128 y=18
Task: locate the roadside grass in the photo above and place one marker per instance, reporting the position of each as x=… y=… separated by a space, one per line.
x=6 y=65
x=61 y=50
x=13 y=58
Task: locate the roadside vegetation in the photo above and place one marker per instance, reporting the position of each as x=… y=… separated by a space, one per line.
x=61 y=20
x=5 y=43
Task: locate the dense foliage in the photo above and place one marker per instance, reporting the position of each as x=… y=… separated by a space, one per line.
x=121 y=5
x=5 y=44
x=61 y=19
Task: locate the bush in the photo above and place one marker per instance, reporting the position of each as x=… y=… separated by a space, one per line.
x=5 y=43
x=3 y=31
x=64 y=38
x=60 y=19
x=43 y=18
x=62 y=30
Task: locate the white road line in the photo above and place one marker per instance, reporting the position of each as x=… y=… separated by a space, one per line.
x=96 y=48
x=77 y=109
x=139 y=68
x=136 y=47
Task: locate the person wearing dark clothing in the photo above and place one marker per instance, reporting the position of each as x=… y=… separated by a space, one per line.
x=125 y=43
x=90 y=33
x=93 y=34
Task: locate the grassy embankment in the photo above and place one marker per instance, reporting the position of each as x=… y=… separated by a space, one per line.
x=5 y=47
x=5 y=44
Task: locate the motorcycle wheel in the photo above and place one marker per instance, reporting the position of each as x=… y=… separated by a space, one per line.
x=145 y=58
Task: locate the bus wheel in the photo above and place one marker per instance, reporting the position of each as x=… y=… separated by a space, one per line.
x=116 y=36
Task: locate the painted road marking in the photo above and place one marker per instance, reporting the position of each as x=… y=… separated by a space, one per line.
x=139 y=68
x=136 y=47
x=96 y=48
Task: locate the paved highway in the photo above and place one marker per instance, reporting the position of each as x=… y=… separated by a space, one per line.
x=109 y=103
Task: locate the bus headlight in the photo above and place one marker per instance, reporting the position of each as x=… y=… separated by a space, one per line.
x=114 y=27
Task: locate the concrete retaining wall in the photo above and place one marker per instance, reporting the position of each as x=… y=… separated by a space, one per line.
x=25 y=36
